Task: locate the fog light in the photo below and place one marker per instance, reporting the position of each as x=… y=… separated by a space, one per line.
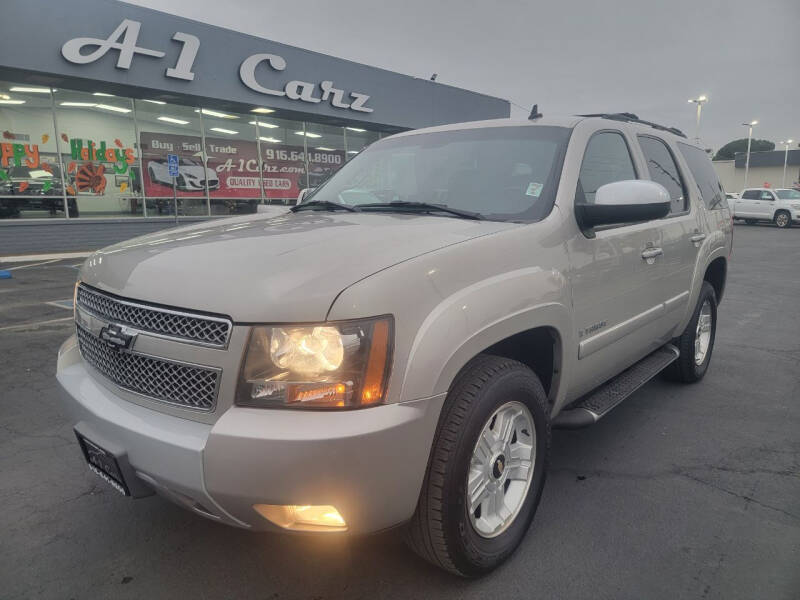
x=302 y=518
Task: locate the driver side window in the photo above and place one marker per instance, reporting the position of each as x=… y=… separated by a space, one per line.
x=766 y=196
x=606 y=159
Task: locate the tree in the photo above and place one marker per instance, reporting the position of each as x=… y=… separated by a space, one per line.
x=729 y=150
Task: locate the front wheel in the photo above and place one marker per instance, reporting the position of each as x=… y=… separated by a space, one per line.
x=697 y=341
x=487 y=468
x=783 y=219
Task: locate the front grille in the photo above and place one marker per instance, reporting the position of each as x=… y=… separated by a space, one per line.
x=202 y=329
x=185 y=385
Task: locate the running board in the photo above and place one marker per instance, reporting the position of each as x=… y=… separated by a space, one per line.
x=598 y=403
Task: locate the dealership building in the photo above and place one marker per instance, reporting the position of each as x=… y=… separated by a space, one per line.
x=773 y=168
x=118 y=120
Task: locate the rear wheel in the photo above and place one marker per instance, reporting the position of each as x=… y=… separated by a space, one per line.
x=697 y=341
x=487 y=468
x=783 y=219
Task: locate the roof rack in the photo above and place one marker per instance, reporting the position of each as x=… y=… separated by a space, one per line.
x=632 y=118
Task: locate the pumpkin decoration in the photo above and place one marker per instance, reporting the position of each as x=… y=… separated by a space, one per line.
x=90 y=178
x=70 y=190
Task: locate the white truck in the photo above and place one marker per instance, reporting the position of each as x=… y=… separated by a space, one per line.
x=781 y=206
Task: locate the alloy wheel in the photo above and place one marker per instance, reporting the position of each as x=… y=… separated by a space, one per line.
x=702 y=338
x=501 y=469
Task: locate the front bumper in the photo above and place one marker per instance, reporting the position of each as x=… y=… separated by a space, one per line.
x=369 y=463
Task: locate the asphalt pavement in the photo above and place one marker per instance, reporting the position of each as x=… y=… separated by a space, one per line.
x=681 y=492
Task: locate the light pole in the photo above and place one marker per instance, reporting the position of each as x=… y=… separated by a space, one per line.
x=700 y=100
x=750 y=126
x=785 y=159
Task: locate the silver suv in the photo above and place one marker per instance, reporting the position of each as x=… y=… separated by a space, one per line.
x=397 y=348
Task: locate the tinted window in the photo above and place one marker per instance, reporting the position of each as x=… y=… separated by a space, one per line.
x=663 y=170
x=704 y=175
x=767 y=196
x=606 y=160
x=751 y=195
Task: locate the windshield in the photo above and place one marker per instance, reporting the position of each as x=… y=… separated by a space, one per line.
x=788 y=194
x=502 y=173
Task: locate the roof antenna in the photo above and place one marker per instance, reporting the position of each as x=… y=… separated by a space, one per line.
x=535 y=114
x=434 y=76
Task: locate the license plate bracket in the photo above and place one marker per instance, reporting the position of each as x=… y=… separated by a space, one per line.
x=104 y=464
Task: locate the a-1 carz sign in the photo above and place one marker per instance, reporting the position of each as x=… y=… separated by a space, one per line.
x=232 y=167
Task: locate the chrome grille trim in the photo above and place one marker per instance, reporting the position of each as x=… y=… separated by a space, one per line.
x=191 y=328
x=173 y=382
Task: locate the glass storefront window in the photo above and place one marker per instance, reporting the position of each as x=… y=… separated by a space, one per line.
x=282 y=146
x=357 y=139
x=173 y=129
x=326 y=154
x=98 y=151
x=106 y=155
x=30 y=174
x=232 y=154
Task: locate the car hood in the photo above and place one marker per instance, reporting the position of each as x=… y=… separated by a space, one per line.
x=271 y=269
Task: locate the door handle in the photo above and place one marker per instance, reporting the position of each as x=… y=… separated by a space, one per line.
x=697 y=238
x=650 y=254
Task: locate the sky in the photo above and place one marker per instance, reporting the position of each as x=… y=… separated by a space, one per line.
x=568 y=56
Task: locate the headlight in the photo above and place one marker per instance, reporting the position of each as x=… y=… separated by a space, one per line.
x=331 y=365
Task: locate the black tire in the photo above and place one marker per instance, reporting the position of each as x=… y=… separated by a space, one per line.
x=750 y=221
x=685 y=369
x=440 y=530
x=783 y=219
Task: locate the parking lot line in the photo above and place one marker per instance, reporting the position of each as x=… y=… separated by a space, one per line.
x=38 y=264
x=66 y=303
x=34 y=324
x=35 y=257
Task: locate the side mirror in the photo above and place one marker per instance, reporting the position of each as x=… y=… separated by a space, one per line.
x=628 y=201
x=303 y=193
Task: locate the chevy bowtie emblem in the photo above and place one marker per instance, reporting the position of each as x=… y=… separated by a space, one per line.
x=117 y=337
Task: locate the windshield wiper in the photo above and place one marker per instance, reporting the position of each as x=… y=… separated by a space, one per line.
x=427 y=207
x=324 y=204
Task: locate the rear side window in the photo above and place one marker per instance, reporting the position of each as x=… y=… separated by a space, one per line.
x=752 y=195
x=663 y=170
x=704 y=175
x=606 y=160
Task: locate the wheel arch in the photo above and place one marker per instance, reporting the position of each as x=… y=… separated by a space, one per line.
x=716 y=274
x=537 y=337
